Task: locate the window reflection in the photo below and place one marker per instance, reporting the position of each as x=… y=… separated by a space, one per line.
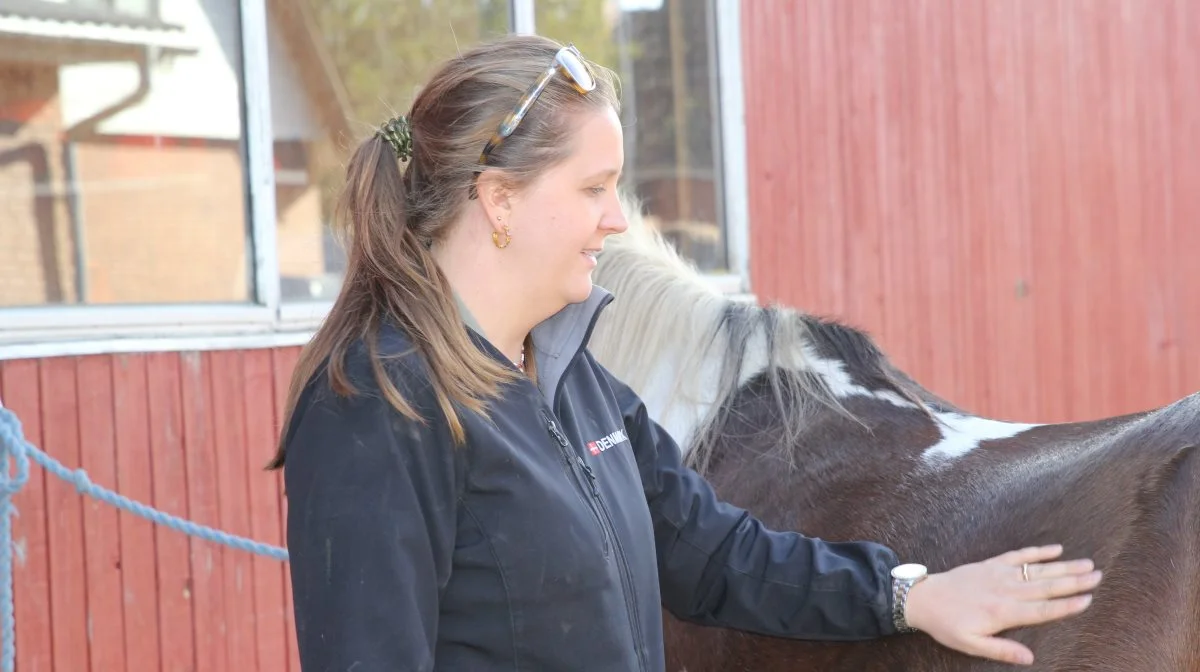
x=365 y=65
x=666 y=59
x=121 y=162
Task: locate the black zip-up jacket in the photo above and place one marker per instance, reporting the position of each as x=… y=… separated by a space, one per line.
x=549 y=541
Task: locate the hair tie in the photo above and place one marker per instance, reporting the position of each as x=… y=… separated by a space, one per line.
x=397 y=133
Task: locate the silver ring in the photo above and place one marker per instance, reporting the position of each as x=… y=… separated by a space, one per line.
x=1025 y=571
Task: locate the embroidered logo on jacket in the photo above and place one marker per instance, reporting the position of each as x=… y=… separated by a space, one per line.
x=604 y=443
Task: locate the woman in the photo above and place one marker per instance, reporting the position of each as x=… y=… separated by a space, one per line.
x=442 y=512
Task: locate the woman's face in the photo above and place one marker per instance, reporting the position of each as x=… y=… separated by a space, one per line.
x=559 y=222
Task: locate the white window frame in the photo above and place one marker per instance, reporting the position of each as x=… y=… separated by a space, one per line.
x=267 y=321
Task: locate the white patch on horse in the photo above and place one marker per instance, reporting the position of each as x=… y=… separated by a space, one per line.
x=679 y=394
x=964 y=433
x=677 y=415
x=842 y=385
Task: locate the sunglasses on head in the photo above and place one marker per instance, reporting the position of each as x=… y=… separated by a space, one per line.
x=570 y=64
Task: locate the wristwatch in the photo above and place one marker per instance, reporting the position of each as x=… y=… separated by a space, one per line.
x=904 y=577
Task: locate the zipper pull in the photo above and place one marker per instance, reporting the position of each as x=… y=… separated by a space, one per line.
x=564 y=446
x=555 y=431
x=558 y=435
x=590 y=476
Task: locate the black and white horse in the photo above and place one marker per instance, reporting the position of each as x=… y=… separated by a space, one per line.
x=804 y=422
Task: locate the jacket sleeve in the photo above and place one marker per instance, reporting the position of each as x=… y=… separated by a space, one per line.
x=718 y=565
x=371 y=523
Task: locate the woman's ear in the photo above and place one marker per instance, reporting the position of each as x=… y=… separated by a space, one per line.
x=495 y=195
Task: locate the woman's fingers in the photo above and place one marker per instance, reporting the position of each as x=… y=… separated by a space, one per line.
x=1040 y=580
x=1062 y=586
x=1044 y=611
x=1031 y=555
x=1051 y=570
x=998 y=648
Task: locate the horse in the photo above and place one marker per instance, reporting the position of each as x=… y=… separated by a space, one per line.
x=803 y=421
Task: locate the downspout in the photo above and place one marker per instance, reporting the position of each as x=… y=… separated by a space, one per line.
x=75 y=213
x=82 y=130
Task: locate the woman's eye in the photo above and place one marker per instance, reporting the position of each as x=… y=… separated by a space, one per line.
x=596 y=190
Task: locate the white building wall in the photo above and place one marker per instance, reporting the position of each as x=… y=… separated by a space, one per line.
x=194 y=94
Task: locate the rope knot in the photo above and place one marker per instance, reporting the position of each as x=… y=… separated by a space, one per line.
x=12 y=448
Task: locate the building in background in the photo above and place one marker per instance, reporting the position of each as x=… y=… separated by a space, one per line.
x=122 y=172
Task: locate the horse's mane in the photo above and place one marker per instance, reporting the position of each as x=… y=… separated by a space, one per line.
x=785 y=350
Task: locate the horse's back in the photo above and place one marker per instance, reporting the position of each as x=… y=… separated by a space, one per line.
x=1146 y=611
x=1123 y=491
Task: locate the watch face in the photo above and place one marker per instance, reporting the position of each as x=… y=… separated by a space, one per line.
x=908 y=572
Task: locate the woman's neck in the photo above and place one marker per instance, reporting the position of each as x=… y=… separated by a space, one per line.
x=505 y=343
x=491 y=297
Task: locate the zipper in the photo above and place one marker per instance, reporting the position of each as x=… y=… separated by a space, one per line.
x=626 y=575
x=623 y=566
x=604 y=520
x=565 y=449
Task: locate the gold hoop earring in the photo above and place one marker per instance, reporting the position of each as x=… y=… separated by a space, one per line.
x=507 y=238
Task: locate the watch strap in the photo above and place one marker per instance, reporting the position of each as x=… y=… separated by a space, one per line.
x=900 y=588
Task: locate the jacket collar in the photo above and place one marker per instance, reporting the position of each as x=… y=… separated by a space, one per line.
x=558 y=339
x=565 y=334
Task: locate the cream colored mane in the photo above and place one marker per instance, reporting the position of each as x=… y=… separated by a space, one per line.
x=663 y=312
x=685 y=347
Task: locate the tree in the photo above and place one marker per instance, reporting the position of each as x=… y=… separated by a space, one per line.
x=384 y=49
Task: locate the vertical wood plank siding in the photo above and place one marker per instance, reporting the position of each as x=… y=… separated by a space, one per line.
x=102 y=590
x=1006 y=193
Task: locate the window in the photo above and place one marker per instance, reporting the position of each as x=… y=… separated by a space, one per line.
x=168 y=169
x=342 y=80
x=666 y=60
x=122 y=178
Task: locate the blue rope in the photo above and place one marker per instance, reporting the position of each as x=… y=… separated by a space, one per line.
x=10 y=433
x=15 y=449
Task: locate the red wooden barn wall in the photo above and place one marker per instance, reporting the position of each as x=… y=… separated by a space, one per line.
x=1005 y=193
x=105 y=591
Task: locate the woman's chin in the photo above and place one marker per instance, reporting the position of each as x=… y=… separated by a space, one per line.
x=579 y=291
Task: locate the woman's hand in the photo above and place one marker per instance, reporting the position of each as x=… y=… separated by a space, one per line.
x=965 y=607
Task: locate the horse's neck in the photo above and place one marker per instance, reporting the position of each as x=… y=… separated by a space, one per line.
x=681 y=363
x=681 y=391
x=680 y=395
x=681 y=409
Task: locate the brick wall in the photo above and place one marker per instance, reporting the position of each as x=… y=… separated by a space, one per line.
x=163 y=220
x=36 y=264
x=164 y=223
x=299 y=205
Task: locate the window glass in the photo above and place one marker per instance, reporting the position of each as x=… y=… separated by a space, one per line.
x=338 y=70
x=666 y=59
x=122 y=177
